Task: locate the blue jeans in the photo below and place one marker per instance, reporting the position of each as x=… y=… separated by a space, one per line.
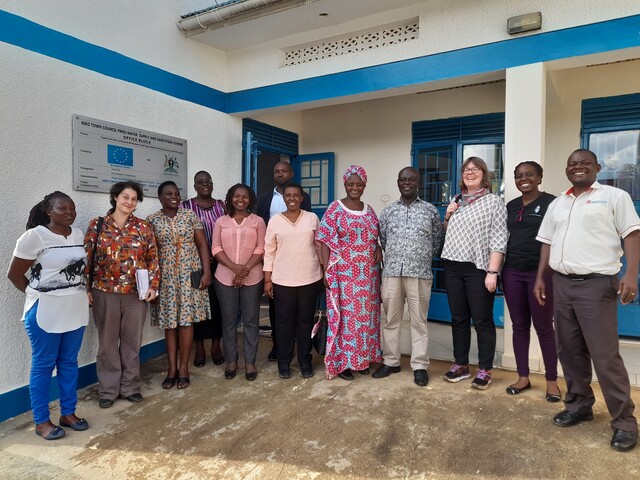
x=49 y=351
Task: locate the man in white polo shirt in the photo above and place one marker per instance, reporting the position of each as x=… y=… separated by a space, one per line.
x=580 y=237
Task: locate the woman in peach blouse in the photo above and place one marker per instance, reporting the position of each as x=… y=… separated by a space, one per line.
x=293 y=278
x=238 y=246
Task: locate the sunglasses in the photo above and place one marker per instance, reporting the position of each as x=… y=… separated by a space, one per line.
x=205 y=182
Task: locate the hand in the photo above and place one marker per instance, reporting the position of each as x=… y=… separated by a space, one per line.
x=491 y=282
x=205 y=281
x=241 y=270
x=151 y=295
x=377 y=255
x=90 y=297
x=627 y=289
x=451 y=209
x=268 y=289
x=238 y=281
x=539 y=292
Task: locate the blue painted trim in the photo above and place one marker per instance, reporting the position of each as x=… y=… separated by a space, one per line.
x=31 y=36
x=17 y=401
x=583 y=40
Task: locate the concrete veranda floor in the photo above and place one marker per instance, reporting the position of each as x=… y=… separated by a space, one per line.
x=316 y=429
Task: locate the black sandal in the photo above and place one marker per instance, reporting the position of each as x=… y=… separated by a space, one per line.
x=511 y=390
x=183 y=382
x=553 y=398
x=169 y=382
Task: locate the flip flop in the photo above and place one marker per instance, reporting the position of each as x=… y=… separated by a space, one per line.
x=183 y=382
x=169 y=382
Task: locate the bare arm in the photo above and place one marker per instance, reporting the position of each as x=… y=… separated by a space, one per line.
x=203 y=251
x=491 y=279
x=543 y=268
x=17 y=269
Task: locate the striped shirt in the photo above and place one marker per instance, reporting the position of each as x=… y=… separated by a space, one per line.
x=208 y=216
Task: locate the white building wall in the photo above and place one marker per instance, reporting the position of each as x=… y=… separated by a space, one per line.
x=145 y=30
x=38 y=96
x=445 y=25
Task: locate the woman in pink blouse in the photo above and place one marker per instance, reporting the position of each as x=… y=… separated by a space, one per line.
x=238 y=246
x=293 y=278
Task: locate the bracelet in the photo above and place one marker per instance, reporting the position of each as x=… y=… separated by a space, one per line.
x=492 y=272
x=447 y=219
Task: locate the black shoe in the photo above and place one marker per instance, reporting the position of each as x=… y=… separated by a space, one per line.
x=306 y=371
x=229 y=374
x=384 y=371
x=284 y=372
x=105 y=403
x=273 y=355
x=553 y=397
x=346 y=375
x=511 y=390
x=134 y=398
x=251 y=376
x=79 y=426
x=199 y=362
x=568 y=419
x=624 y=441
x=365 y=371
x=420 y=377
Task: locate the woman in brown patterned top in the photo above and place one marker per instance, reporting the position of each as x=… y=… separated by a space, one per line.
x=474 y=246
x=124 y=245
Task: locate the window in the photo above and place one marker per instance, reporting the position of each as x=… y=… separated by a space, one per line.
x=611 y=129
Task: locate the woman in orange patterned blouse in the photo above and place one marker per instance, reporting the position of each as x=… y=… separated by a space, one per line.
x=123 y=245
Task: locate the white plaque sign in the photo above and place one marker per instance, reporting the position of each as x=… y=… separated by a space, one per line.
x=105 y=153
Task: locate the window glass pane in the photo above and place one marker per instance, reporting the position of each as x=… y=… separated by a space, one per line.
x=492 y=154
x=619 y=157
x=435 y=166
x=315 y=168
x=304 y=169
x=324 y=186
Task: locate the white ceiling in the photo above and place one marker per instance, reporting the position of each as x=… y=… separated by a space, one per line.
x=295 y=20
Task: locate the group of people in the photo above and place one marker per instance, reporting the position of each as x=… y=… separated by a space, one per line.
x=206 y=264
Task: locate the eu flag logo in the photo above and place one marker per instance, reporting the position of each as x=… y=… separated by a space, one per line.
x=121 y=156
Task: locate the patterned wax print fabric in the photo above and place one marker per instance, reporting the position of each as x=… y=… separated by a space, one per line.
x=178 y=303
x=353 y=294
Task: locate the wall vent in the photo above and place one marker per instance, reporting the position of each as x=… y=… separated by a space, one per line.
x=378 y=37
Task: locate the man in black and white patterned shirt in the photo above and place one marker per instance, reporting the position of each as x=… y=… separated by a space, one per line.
x=411 y=234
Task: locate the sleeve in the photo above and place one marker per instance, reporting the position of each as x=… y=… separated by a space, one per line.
x=195 y=221
x=216 y=241
x=327 y=230
x=89 y=246
x=270 y=246
x=498 y=233
x=28 y=245
x=151 y=256
x=625 y=215
x=383 y=227
x=545 y=232
x=261 y=228
x=437 y=232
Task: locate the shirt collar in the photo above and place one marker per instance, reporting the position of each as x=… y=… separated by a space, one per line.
x=276 y=192
x=594 y=186
x=417 y=200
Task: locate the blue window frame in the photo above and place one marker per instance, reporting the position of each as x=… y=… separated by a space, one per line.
x=611 y=129
x=315 y=172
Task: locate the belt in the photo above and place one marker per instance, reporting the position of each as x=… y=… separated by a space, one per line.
x=577 y=278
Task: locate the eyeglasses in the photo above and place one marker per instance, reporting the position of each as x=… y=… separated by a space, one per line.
x=204 y=182
x=471 y=170
x=520 y=213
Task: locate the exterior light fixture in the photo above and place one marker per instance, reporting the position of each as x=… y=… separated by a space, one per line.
x=524 y=23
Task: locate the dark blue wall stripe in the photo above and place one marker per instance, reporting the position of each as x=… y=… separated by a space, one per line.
x=583 y=40
x=17 y=401
x=26 y=34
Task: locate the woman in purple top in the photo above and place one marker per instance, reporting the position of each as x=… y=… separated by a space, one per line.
x=208 y=210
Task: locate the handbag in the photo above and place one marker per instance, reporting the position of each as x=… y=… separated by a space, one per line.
x=320 y=327
x=196 y=276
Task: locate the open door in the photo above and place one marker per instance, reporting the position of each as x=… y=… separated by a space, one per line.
x=315 y=172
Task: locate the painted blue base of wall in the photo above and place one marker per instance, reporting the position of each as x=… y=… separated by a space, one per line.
x=17 y=401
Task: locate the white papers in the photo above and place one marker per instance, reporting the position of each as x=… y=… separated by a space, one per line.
x=142 y=282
